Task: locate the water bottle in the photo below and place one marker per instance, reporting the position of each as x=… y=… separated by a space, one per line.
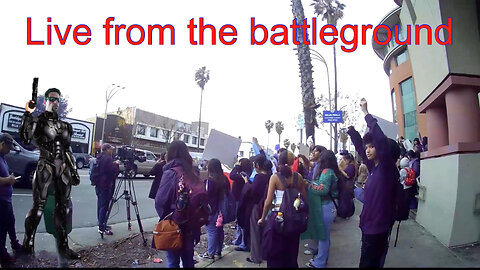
x=279 y=222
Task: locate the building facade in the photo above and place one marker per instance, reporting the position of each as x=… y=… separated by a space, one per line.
x=154 y=132
x=447 y=86
x=396 y=63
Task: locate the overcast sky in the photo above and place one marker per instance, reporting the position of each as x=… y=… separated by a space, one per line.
x=248 y=84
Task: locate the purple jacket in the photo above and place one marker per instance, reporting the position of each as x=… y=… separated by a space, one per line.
x=108 y=171
x=164 y=199
x=238 y=182
x=6 y=191
x=378 y=209
x=215 y=193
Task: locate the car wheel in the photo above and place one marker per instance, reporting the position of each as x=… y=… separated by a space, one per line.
x=80 y=164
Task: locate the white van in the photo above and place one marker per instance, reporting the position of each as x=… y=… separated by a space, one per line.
x=142 y=167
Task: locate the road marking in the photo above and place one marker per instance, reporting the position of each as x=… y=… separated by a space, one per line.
x=26 y=195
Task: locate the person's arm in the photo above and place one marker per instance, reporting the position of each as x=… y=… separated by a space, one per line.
x=301 y=186
x=325 y=183
x=164 y=193
x=156 y=169
x=268 y=201
x=28 y=125
x=235 y=174
x=416 y=168
x=379 y=139
x=9 y=180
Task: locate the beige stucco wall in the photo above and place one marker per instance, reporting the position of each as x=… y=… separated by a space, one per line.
x=464 y=53
x=452 y=183
x=429 y=62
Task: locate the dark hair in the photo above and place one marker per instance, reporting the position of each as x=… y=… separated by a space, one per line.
x=327 y=161
x=215 y=170
x=281 y=150
x=283 y=164
x=349 y=157
x=319 y=148
x=52 y=90
x=178 y=150
x=416 y=140
x=246 y=165
x=368 y=139
x=412 y=154
x=162 y=155
x=262 y=163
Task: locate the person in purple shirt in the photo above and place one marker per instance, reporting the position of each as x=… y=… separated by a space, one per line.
x=7 y=224
x=376 y=219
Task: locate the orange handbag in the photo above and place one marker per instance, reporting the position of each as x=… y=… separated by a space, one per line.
x=167 y=235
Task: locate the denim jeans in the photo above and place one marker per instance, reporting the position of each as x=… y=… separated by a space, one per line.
x=329 y=213
x=215 y=236
x=185 y=253
x=103 y=199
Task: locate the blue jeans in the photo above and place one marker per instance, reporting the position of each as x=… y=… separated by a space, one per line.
x=215 y=236
x=103 y=199
x=329 y=213
x=185 y=253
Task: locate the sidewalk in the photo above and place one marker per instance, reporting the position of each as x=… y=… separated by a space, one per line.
x=415 y=248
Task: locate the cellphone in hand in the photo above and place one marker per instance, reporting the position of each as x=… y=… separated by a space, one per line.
x=17 y=177
x=243 y=174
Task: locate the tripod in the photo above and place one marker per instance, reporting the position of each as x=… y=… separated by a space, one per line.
x=130 y=198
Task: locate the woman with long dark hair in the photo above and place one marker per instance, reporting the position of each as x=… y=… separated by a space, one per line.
x=217 y=186
x=284 y=255
x=321 y=209
x=178 y=159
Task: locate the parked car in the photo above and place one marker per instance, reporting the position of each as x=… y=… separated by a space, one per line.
x=82 y=159
x=142 y=167
x=22 y=162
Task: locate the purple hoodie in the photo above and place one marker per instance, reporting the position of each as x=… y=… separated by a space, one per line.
x=378 y=208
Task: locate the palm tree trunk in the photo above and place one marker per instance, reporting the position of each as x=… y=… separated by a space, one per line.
x=305 y=63
x=199 y=121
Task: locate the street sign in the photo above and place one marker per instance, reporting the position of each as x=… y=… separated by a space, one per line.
x=332 y=117
x=300 y=121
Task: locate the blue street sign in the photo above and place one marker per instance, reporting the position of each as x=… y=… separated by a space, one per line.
x=332 y=117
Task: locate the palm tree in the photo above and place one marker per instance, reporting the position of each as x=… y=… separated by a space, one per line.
x=293 y=146
x=305 y=63
x=268 y=126
x=279 y=129
x=202 y=75
x=331 y=12
x=286 y=143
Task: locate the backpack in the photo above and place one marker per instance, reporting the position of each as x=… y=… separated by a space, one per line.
x=228 y=207
x=346 y=206
x=401 y=206
x=410 y=179
x=191 y=202
x=95 y=173
x=295 y=219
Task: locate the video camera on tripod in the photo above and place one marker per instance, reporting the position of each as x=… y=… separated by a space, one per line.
x=127 y=155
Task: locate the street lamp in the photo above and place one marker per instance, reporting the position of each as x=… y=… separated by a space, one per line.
x=108 y=95
x=317 y=56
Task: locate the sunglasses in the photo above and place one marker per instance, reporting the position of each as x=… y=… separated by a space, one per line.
x=52 y=99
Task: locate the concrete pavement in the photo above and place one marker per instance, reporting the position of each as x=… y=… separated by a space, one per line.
x=415 y=248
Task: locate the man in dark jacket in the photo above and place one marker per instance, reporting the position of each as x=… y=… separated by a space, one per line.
x=109 y=170
x=157 y=171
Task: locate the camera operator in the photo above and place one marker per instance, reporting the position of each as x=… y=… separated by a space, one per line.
x=109 y=170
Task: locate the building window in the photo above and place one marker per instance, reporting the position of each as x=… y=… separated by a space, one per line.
x=202 y=142
x=402 y=58
x=141 y=129
x=186 y=138
x=166 y=134
x=154 y=132
x=240 y=154
x=194 y=140
x=394 y=107
x=409 y=109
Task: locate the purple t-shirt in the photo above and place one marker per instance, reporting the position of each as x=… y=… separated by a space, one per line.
x=6 y=191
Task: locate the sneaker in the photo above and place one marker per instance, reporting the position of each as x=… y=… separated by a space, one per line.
x=106 y=232
x=72 y=255
x=251 y=261
x=218 y=254
x=307 y=252
x=207 y=257
x=310 y=265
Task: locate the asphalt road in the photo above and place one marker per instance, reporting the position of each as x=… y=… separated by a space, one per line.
x=84 y=202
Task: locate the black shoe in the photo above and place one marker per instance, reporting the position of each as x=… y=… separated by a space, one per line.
x=251 y=261
x=17 y=247
x=72 y=255
x=6 y=260
x=241 y=249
